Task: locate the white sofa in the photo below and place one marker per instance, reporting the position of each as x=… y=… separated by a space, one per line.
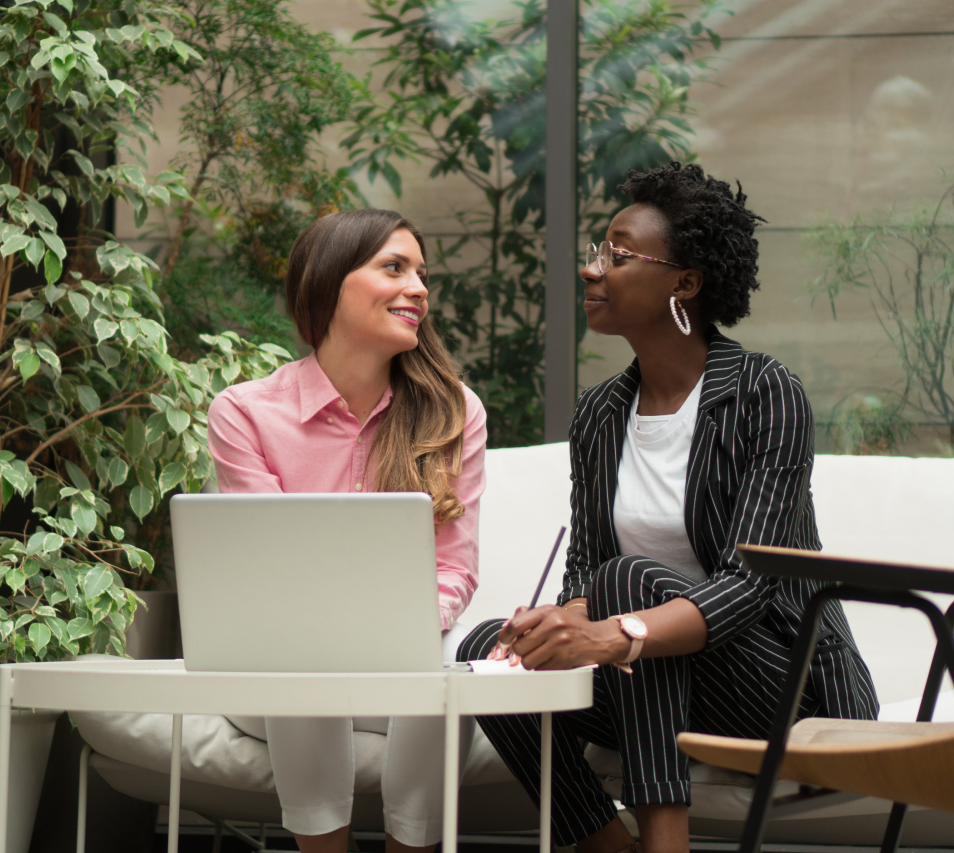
x=888 y=508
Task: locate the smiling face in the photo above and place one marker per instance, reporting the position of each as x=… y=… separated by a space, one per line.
x=382 y=303
x=632 y=297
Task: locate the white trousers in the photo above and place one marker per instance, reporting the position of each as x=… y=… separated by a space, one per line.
x=313 y=762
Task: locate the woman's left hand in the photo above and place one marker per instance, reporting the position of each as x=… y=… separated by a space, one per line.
x=551 y=637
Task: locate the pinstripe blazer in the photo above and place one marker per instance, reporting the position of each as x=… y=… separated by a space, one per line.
x=747 y=480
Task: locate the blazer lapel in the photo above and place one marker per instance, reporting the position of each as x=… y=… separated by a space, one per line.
x=719 y=385
x=610 y=437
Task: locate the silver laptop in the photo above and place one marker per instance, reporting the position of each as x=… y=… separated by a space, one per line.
x=307 y=583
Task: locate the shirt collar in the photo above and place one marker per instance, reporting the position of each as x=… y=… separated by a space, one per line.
x=317 y=391
x=720 y=380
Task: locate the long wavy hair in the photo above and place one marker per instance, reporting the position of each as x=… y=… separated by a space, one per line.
x=418 y=447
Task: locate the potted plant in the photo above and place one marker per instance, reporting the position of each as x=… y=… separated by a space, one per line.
x=98 y=422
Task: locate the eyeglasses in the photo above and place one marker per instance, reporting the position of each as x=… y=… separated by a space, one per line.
x=604 y=256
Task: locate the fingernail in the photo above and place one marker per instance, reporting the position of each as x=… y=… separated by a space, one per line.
x=513 y=659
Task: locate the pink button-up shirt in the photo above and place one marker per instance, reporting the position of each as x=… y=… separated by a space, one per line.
x=292 y=432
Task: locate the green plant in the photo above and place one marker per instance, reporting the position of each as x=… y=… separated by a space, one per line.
x=470 y=98
x=868 y=424
x=257 y=101
x=223 y=282
x=906 y=262
x=98 y=422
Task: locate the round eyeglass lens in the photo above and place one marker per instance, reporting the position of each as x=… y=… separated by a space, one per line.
x=591 y=254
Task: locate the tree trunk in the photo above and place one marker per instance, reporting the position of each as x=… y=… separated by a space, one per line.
x=176 y=246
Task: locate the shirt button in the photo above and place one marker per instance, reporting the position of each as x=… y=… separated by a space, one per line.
x=331 y=420
x=340 y=404
x=359 y=439
x=357 y=486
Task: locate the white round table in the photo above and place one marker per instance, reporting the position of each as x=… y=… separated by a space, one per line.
x=164 y=686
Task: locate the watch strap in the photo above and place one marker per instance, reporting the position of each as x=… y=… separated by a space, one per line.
x=635 y=647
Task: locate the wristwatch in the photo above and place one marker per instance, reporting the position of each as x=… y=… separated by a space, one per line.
x=634 y=628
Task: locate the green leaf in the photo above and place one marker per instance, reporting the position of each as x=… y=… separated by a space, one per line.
x=61 y=67
x=47 y=493
x=85 y=164
x=141 y=501
x=53 y=542
x=15 y=475
x=96 y=581
x=137 y=557
x=29 y=365
x=105 y=329
x=34 y=251
x=110 y=355
x=35 y=542
x=15 y=579
x=53 y=292
x=39 y=636
x=32 y=310
x=117 y=532
x=79 y=628
x=118 y=471
x=130 y=331
x=274 y=349
x=80 y=304
x=134 y=439
x=171 y=475
x=55 y=243
x=84 y=516
x=16 y=99
x=14 y=244
x=56 y=22
x=156 y=427
x=46 y=352
x=178 y=420
x=88 y=398
x=77 y=477
x=57 y=626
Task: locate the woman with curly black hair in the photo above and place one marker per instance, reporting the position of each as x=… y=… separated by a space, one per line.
x=697 y=446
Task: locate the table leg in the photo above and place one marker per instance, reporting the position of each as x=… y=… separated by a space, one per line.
x=175 y=780
x=6 y=710
x=546 y=779
x=451 y=763
x=81 y=804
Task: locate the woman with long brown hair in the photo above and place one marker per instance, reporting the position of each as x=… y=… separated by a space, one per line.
x=377 y=406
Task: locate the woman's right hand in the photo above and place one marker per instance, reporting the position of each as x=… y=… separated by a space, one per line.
x=502 y=650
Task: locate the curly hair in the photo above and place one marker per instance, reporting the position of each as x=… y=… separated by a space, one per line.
x=706 y=227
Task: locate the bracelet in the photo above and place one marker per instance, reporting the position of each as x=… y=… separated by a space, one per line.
x=575 y=604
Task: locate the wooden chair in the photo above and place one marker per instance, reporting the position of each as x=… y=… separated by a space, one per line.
x=907 y=763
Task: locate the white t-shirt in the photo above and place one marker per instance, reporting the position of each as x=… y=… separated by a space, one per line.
x=649 y=512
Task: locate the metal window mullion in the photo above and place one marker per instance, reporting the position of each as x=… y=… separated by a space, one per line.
x=561 y=211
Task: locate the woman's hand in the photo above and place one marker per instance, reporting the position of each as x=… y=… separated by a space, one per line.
x=551 y=637
x=502 y=650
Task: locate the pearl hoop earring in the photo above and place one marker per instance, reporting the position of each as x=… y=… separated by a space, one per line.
x=683 y=325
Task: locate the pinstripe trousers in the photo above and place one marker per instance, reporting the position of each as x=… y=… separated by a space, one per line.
x=731 y=690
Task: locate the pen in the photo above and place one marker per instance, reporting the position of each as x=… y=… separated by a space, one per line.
x=546 y=569
x=536 y=595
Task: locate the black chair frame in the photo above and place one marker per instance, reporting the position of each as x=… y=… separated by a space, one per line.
x=794 y=686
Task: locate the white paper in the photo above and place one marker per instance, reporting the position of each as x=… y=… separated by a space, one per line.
x=496 y=667
x=503 y=667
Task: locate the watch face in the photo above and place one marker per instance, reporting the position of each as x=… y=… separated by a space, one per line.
x=634 y=627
